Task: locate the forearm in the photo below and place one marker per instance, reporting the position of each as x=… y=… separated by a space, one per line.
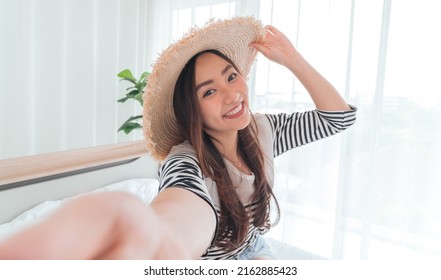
x=323 y=94
x=188 y=221
x=110 y=225
x=141 y=232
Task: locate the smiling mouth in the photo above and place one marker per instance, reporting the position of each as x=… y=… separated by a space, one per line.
x=235 y=112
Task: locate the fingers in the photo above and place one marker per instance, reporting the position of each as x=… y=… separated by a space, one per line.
x=259 y=48
x=272 y=29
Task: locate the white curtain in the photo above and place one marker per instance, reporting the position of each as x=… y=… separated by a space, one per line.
x=59 y=61
x=373 y=191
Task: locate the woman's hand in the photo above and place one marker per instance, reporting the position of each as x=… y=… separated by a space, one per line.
x=276 y=47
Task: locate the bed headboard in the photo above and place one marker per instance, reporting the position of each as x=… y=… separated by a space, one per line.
x=27 y=181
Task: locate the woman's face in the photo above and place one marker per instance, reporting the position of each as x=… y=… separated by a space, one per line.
x=223 y=96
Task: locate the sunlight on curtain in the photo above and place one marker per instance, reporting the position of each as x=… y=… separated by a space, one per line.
x=401 y=186
x=58 y=72
x=371 y=192
x=186 y=14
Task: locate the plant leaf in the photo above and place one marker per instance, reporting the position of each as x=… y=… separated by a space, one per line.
x=127 y=75
x=135 y=117
x=124 y=99
x=128 y=127
x=133 y=92
x=144 y=76
x=129 y=80
x=130 y=124
x=139 y=98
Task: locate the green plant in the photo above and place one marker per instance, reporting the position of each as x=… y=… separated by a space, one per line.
x=135 y=91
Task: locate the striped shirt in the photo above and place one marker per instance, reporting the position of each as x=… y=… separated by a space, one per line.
x=277 y=134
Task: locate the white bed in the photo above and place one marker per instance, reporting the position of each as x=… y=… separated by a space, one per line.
x=33 y=187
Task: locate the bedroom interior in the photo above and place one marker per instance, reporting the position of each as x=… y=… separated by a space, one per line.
x=371 y=194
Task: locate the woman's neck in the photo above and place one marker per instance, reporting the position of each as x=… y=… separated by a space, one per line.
x=227 y=145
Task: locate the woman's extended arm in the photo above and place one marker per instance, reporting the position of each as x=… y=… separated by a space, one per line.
x=189 y=220
x=277 y=47
x=176 y=225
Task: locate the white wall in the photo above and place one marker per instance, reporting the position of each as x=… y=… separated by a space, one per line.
x=58 y=66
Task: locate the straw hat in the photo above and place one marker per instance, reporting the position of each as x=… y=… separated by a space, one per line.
x=231 y=37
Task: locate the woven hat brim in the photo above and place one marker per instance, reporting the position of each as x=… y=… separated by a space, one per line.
x=231 y=37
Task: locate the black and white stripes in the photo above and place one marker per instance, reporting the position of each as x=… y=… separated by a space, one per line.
x=300 y=128
x=217 y=253
x=183 y=171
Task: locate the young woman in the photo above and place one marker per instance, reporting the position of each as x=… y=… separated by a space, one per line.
x=216 y=176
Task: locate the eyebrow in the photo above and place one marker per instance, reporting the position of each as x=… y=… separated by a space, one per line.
x=210 y=81
x=226 y=69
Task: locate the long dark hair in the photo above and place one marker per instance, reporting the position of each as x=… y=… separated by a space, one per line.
x=234 y=218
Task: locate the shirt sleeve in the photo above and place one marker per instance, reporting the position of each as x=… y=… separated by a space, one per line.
x=183 y=171
x=300 y=128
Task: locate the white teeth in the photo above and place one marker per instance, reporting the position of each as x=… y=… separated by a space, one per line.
x=234 y=111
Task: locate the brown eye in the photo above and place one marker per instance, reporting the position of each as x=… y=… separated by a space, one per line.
x=208 y=93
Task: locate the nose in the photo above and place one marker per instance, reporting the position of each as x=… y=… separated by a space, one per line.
x=231 y=96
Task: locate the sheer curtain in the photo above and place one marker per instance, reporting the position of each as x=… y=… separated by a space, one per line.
x=59 y=61
x=373 y=191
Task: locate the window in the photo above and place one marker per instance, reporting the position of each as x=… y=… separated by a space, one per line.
x=373 y=191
